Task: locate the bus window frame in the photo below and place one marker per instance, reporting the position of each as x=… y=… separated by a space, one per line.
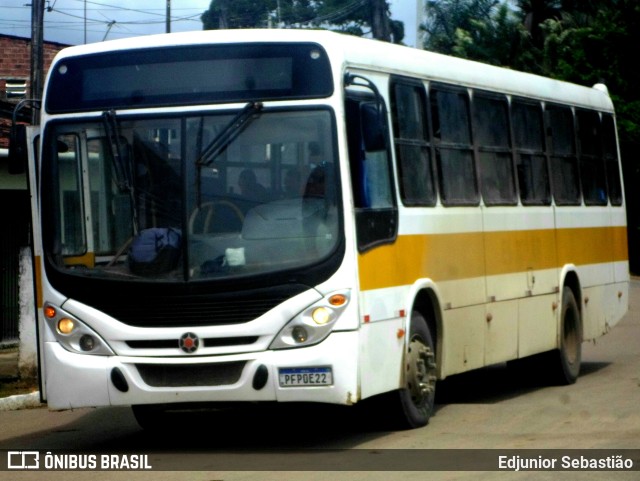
x=424 y=144
x=480 y=148
x=471 y=198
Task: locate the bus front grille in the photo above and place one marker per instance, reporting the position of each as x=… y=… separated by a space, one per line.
x=186 y=375
x=207 y=342
x=160 y=310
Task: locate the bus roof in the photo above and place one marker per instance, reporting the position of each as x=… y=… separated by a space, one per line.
x=378 y=56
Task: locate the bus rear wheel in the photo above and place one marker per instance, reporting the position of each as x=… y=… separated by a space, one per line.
x=567 y=358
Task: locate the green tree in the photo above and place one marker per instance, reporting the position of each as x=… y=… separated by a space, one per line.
x=592 y=44
x=355 y=17
x=448 y=22
x=238 y=14
x=484 y=30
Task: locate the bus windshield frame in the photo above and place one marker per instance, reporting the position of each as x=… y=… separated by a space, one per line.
x=266 y=204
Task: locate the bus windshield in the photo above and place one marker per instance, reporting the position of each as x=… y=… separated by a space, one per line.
x=193 y=197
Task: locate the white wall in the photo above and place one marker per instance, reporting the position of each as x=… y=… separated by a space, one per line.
x=27 y=361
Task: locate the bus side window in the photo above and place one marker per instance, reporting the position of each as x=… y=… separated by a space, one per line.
x=592 y=171
x=452 y=136
x=491 y=132
x=610 y=153
x=411 y=138
x=564 y=162
x=531 y=160
x=371 y=177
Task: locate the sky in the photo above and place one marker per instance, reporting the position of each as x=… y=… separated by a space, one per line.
x=87 y=21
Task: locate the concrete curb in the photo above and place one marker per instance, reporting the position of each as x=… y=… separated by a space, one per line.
x=20 y=401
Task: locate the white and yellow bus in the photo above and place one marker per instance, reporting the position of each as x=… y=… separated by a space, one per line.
x=280 y=215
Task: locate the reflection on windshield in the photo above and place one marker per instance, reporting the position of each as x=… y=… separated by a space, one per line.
x=267 y=202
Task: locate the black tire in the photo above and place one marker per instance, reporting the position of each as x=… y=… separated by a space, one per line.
x=568 y=356
x=150 y=417
x=412 y=406
x=562 y=365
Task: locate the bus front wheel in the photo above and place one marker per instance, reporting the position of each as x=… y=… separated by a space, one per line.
x=413 y=404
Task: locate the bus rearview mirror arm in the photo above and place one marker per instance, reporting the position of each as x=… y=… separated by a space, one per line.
x=372 y=116
x=18 y=152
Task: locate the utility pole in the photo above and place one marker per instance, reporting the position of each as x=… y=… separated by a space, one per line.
x=224 y=14
x=37 y=50
x=380 y=27
x=420 y=10
x=168 y=29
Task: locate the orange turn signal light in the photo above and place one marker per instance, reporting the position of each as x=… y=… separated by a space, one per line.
x=338 y=300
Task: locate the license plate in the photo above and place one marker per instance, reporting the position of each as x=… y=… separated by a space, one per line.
x=305 y=376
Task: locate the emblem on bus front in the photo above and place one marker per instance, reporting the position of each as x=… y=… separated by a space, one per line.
x=189 y=342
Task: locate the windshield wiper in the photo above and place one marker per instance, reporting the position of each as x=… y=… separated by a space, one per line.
x=221 y=141
x=123 y=170
x=123 y=175
x=229 y=133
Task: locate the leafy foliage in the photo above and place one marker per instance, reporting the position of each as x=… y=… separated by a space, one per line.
x=355 y=17
x=585 y=42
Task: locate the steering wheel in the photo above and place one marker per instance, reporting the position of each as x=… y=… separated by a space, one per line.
x=208 y=209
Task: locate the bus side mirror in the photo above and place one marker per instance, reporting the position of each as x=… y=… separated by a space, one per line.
x=373 y=127
x=18 y=149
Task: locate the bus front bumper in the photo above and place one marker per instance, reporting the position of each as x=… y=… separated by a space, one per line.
x=326 y=372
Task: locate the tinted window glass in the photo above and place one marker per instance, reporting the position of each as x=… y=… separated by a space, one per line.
x=610 y=151
x=415 y=172
x=564 y=163
x=452 y=136
x=491 y=128
x=531 y=161
x=592 y=172
x=371 y=181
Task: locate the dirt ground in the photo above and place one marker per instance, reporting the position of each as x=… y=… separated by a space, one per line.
x=10 y=382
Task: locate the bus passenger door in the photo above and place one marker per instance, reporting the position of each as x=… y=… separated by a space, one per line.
x=375 y=215
x=371 y=174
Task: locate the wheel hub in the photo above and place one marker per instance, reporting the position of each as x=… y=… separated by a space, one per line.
x=421 y=371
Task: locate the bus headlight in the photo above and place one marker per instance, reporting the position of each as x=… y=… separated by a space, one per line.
x=313 y=324
x=321 y=316
x=73 y=334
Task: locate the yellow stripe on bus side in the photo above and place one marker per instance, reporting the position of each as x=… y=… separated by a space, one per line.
x=446 y=257
x=38 y=282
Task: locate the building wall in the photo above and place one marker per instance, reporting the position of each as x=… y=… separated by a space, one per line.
x=15 y=64
x=17 y=322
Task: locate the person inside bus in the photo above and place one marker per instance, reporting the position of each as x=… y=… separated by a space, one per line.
x=250 y=189
x=292 y=184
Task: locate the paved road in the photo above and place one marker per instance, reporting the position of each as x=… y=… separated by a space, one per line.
x=485 y=409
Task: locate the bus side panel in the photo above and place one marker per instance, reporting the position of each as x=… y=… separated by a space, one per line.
x=620 y=245
x=603 y=307
x=463 y=346
x=501 y=334
x=538 y=324
x=588 y=240
x=382 y=339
